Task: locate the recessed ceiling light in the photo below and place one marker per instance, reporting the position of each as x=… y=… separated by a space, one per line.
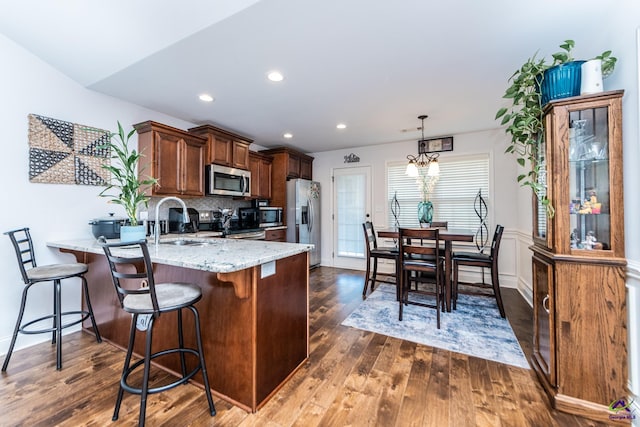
x=206 y=97
x=341 y=126
x=288 y=135
x=275 y=76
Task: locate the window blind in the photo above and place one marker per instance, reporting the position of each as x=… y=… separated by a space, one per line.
x=453 y=195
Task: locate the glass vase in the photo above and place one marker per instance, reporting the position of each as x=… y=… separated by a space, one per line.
x=425 y=212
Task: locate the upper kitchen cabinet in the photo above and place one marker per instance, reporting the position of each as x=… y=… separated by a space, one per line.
x=173 y=156
x=294 y=164
x=223 y=147
x=578 y=263
x=260 y=167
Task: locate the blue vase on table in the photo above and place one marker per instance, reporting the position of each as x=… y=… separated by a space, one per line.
x=425 y=212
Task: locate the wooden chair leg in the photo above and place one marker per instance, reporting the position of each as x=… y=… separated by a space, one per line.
x=366 y=277
x=375 y=274
x=495 y=281
x=454 y=285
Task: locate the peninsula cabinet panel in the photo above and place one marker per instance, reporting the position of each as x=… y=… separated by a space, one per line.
x=580 y=331
x=255 y=330
x=223 y=147
x=174 y=157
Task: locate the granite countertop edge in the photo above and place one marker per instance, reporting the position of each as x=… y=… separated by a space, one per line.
x=218 y=255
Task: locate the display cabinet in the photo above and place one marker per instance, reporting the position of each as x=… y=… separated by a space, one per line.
x=580 y=351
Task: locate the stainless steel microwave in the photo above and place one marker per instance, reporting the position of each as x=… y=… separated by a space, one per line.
x=224 y=181
x=269 y=216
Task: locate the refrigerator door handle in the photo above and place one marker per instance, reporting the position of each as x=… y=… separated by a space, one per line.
x=311 y=214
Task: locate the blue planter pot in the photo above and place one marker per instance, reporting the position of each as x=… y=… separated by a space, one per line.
x=561 y=81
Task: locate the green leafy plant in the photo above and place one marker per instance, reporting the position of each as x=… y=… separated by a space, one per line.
x=524 y=117
x=608 y=63
x=524 y=120
x=125 y=188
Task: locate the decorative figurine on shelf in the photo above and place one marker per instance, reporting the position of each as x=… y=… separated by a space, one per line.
x=590 y=241
x=574 y=239
x=590 y=205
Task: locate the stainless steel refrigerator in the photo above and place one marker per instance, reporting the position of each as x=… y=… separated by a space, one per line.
x=303 y=215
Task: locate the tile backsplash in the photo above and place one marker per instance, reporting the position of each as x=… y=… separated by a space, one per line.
x=200 y=204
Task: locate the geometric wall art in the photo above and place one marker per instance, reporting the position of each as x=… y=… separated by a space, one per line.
x=66 y=153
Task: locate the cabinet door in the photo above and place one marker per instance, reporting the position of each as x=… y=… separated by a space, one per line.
x=305 y=168
x=265 y=179
x=276 y=235
x=544 y=318
x=589 y=189
x=167 y=158
x=293 y=166
x=192 y=163
x=220 y=151
x=240 y=156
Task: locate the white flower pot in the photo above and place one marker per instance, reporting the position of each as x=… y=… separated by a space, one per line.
x=591 y=80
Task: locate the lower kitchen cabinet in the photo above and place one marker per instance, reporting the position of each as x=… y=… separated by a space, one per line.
x=276 y=235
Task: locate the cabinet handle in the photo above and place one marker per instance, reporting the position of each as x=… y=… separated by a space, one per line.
x=545 y=303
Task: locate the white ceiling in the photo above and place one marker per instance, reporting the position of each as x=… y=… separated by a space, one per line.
x=375 y=65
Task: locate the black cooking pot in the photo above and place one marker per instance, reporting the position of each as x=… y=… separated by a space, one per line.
x=108 y=227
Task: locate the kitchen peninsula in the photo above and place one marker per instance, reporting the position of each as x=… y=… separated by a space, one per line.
x=254 y=311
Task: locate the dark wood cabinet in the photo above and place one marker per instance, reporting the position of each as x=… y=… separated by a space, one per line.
x=174 y=157
x=578 y=264
x=260 y=167
x=287 y=164
x=279 y=235
x=224 y=147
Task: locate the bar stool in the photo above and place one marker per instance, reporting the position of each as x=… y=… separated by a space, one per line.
x=140 y=296
x=55 y=273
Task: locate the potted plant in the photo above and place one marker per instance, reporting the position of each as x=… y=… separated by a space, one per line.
x=524 y=118
x=126 y=188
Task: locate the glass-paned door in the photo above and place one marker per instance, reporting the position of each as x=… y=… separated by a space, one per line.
x=352 y=204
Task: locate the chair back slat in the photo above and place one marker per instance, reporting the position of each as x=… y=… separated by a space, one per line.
x=132 y=275
x=495 y=243
x=23 y=246
x=408 y=242
x=369 y=236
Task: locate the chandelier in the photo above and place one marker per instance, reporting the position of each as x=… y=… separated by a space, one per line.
x=417 y=164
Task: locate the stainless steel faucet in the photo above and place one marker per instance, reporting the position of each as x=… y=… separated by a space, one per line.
x=156 y=227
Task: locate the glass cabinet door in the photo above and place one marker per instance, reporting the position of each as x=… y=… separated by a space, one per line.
x=588 y=157
x=540 y=212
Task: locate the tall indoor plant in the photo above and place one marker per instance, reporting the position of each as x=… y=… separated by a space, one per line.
x=524 y=118
x=126 y=187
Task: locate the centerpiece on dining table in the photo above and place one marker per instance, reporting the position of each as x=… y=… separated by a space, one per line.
x=426 y=182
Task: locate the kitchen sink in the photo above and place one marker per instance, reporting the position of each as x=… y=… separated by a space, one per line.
x=185 y=242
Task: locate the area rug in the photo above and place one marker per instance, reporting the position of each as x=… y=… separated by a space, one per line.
x=475 y=328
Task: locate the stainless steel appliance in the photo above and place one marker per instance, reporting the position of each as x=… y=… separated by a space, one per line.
x=269 y=216
x=177 y=224
x=224 y=181
x=303 y=215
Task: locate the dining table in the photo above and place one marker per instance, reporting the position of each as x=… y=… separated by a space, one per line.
x=449 y=236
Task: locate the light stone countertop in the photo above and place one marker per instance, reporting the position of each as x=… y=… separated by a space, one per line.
x=217 y=255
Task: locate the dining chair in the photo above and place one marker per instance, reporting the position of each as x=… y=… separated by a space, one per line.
x=415 y=259
x=374 y=253
x=54 y=273
x=479 y=259
x=139 y=294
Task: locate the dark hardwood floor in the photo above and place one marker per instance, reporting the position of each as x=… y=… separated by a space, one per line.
x=352 y=377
